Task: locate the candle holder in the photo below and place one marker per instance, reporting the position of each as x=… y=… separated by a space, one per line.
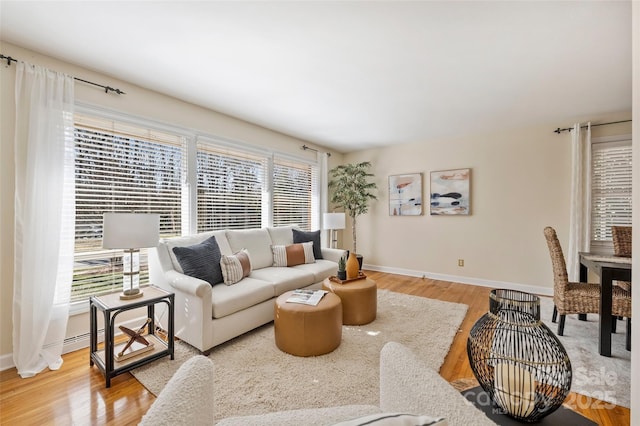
x=517 y=359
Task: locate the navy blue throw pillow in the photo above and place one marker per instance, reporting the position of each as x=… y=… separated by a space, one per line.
x=314 y=237
x=201 y=260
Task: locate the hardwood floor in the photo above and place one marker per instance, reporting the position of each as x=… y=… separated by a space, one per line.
x=76 y=393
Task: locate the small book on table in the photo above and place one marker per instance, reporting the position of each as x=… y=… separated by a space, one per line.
x=135 y=349
x=306 y=297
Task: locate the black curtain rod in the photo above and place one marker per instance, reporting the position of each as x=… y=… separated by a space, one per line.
x=568 y=129
x=304 y=147
x=107 y=89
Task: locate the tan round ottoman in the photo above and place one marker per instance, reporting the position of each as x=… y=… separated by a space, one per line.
x=306 y=330
x=359 y=299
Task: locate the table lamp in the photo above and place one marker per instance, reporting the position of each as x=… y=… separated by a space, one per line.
x=334 y=221
x=130 y=231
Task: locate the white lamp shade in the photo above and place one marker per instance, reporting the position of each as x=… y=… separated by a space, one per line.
x=334 y=220
x=130 y=230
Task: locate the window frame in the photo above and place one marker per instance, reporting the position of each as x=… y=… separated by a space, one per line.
x=219 y=144
x=270 y=157
x=189 y=186
x=315 y=182
x=100 y=114
x=600 y=245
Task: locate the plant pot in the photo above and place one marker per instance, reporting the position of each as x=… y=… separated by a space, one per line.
x=342 y=275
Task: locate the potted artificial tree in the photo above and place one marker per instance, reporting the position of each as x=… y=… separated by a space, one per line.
x=351 y=190
x=342 y=268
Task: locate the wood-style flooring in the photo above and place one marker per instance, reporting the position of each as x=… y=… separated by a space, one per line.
x=76 y=394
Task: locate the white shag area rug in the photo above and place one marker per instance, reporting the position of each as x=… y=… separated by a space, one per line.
x=253 y=376
x=594 y=376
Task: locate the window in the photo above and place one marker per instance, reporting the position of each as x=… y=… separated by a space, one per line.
x=230 y=188
x=120 y=167
x=294 y=193
x=233 y=189
x=123 y=167
x=610 y=187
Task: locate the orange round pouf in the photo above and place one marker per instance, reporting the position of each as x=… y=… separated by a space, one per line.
x=359 y=299
x=305 y=330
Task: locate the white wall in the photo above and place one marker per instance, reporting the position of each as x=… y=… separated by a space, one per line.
x=520 y=183
x=138 y=102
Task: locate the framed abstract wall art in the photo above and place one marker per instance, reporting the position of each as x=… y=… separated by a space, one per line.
x=450 y=193
x=405 y=195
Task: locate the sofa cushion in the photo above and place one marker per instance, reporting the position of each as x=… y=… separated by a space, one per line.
x=235 y=266
x=201 y=260
x=227 y=300
x=320 y=269
x=281 y=235
x=190 y=240
x=293 y=254
x=394 y=419
x=257 y=241
x=314 y=236
x=284 y=279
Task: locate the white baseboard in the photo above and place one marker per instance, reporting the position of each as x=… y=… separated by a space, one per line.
x=6 y=362
x=544 y=291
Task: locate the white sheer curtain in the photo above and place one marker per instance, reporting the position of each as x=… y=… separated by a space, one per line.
x=323 y=166
x=580 y=220
x=44 y=217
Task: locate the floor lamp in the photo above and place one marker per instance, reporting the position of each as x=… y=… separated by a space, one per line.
x=333 y=222
x=130 y=231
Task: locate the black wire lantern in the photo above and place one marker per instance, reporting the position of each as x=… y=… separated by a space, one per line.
x=517 y=359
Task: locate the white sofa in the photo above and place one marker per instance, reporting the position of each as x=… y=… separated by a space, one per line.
x=205 y=315
x=406 y=386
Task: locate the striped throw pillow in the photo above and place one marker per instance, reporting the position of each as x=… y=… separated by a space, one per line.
x=235 y=267
x=293 y=254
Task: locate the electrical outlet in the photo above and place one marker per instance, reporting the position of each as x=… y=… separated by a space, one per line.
x=460 y=262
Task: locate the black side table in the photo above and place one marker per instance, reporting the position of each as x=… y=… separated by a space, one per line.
x=112 y=306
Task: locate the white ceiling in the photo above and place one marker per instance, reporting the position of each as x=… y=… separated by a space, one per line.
x=351 y=75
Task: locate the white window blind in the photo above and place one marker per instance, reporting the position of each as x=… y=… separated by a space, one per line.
x=231 y=188
x=610 y=187
x=294 y=188
x=121 y=168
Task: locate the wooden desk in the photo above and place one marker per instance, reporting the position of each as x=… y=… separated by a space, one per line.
x=610 y=268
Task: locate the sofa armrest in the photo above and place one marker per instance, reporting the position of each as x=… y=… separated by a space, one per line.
x=187 y=284
x=408 y=385
x=187 y=397
x=333 y=254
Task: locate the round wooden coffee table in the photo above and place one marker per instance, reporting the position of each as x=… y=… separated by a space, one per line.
x=306 y=330
x=359 y=299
